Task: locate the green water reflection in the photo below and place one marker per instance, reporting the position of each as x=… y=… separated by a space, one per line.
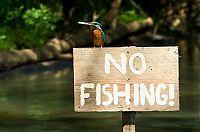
x=43 y=101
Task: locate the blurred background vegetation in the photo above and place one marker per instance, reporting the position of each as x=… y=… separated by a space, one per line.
x=39 y=96
x=28 y=24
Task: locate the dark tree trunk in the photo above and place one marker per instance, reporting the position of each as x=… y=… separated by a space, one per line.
x=111 y=17
x=67 y=7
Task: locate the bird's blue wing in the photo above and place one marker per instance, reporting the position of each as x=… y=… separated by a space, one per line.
x=103 y=37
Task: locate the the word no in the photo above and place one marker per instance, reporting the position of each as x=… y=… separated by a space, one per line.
x=122 y=64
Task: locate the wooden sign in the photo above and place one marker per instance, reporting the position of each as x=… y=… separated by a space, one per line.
x=126 y=79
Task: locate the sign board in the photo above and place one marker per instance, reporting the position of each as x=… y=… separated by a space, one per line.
x=126 y=79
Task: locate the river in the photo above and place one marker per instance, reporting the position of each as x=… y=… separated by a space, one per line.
x=39 y=98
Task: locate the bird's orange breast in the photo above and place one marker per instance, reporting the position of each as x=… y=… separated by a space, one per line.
x=97 y=37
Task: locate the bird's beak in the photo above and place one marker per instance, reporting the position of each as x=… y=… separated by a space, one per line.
x=85 y=23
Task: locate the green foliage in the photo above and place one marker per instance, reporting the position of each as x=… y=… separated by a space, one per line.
x=41 y=17
x=23 y=27
x=27 y=24
x=7 y=38
x=13 y=14
x=130 y=11
x=41 y=22
x=130 y=15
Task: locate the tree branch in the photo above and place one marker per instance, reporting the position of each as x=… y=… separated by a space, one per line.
x=57 y=49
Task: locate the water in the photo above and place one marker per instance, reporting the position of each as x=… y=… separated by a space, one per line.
x=40 y=99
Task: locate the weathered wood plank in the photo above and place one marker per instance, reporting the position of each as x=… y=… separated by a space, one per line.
x=150 y=79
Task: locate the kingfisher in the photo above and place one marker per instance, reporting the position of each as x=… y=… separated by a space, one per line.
x=98 y=36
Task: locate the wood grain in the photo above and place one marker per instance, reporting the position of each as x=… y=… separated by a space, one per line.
x=162 y=66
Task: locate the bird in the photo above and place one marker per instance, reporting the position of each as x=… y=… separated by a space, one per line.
x=98 y=36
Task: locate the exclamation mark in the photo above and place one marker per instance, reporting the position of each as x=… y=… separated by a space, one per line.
x=171 y=94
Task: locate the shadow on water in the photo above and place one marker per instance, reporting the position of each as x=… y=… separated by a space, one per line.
x=40 y=98
x=43 y=101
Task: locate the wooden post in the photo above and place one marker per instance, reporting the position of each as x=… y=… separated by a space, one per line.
x=128 y=121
